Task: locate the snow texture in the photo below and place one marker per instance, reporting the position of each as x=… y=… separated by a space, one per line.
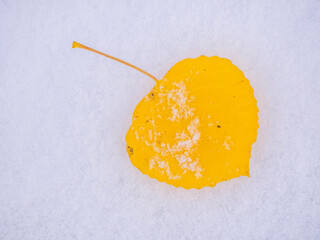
x=64 y=114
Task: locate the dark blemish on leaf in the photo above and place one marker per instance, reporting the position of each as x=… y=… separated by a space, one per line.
x=239 y=82
x=218 y=126
x=131 y=150
x=152 y=95
x=147 y=121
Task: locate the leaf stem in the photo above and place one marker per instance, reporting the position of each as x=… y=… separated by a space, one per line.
x=79 y=45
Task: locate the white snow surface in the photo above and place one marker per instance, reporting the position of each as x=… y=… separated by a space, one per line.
x=64 y=114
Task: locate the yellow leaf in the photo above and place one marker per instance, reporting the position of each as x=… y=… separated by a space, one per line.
x=196 y=127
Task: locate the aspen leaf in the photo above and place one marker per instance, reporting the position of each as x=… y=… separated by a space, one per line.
x=197 y=125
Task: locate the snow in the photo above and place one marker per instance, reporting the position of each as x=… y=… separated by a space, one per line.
x=64 y=114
